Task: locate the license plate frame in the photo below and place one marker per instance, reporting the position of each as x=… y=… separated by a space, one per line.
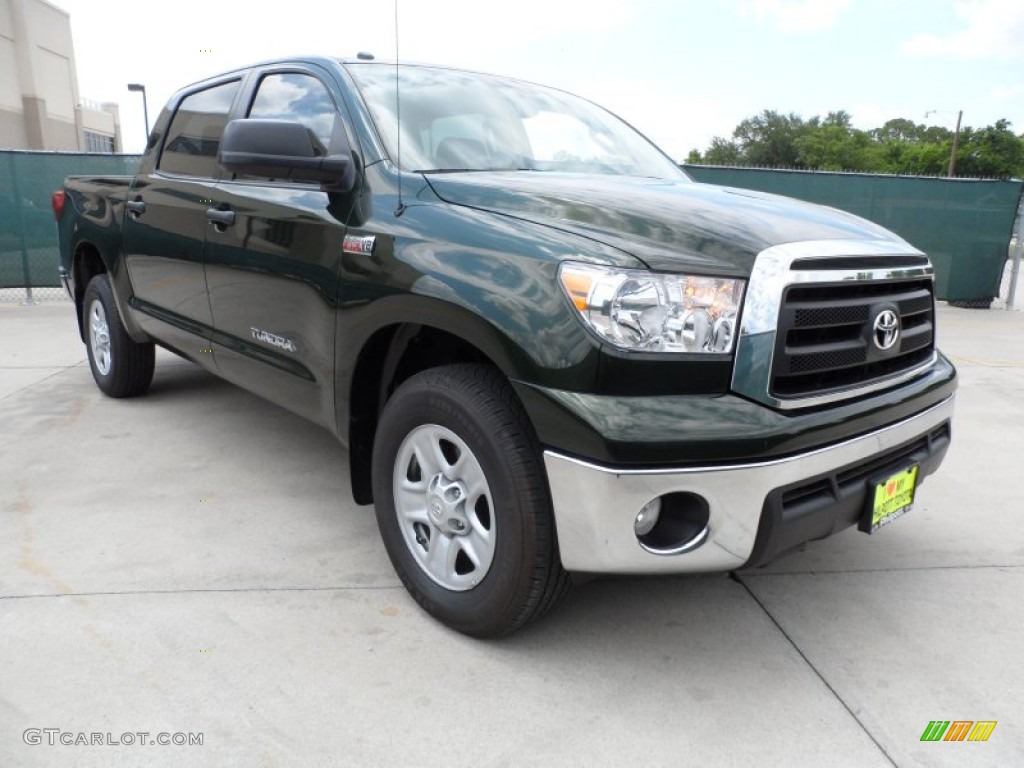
x=889 y=497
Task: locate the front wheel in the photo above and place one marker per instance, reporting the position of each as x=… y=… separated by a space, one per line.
x=462 y=501
x=121 y=366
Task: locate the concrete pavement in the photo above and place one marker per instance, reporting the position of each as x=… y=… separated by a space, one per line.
x=189 y=562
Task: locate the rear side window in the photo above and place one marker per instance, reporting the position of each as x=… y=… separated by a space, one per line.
x=303 y=98
x=193 y=136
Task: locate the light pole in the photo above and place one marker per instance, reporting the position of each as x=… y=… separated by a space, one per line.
x=956 y=140
x=140 y=88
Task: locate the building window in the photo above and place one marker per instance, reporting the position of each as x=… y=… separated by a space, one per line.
x=99 y=143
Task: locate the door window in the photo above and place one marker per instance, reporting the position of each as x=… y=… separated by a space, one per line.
x=303 y=98
x=195 y=131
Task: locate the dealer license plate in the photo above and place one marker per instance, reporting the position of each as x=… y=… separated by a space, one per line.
x=889 y=498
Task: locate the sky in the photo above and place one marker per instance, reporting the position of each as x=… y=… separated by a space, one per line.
x=681 y=71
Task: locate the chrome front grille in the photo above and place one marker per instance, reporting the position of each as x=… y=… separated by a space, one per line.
x=825 y=338
x=811 y=314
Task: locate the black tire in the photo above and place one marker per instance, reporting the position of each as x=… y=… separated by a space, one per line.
x=121 y=367
x=475 y=406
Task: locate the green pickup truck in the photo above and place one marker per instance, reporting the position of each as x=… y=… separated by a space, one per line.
x=548 y=351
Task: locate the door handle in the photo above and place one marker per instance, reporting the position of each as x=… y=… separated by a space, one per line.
x=135 y=208
x=221 y=219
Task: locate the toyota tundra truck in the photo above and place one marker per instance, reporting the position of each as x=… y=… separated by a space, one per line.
x=548 y=351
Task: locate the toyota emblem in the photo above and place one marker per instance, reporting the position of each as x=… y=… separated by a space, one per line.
x=886 y=330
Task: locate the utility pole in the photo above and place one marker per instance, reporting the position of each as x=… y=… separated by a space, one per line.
x=956 y=141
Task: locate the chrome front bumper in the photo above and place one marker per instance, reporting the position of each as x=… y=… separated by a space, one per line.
x=595 y=506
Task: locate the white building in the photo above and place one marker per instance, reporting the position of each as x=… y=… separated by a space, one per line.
x=40 y=107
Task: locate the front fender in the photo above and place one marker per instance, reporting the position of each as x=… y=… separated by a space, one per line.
x=486 y=279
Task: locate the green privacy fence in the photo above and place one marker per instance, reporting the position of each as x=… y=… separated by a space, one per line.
x=28 y=234
x=964 y=225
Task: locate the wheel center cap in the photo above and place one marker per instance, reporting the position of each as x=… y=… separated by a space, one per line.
x=446 y=505
x=436 y=510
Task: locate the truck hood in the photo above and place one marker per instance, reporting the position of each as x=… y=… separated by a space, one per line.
x=670 y=225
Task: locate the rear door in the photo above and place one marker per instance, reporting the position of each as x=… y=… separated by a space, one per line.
x=166 y=222
x=272 y=264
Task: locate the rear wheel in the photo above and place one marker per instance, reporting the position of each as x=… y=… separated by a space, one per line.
x=462 y=501
x=121 y=367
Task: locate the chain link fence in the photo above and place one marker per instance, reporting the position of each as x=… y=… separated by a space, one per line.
x=28 y=233
x=32 y=295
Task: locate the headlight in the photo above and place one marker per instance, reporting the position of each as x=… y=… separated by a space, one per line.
x=655 y=312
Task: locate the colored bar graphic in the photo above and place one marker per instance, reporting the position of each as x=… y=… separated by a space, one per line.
x=959 y=730
x=935 y=730
x=982 y=730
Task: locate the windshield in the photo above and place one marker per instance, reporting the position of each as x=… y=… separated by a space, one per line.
x=463 y=121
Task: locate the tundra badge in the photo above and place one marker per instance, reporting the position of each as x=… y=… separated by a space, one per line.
x=273 y=339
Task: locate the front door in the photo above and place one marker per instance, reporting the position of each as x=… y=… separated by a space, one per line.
x=272 y=263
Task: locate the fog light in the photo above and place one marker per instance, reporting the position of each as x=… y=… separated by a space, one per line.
x=673 y=524
x=647 y=518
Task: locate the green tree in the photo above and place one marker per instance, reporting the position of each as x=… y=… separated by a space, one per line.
x=724 y=152
x=769 y=139
x=991 y=151
x=923 y=159
x=833 y=144
x=899 y=146
x=902 y=146
x=899 y=130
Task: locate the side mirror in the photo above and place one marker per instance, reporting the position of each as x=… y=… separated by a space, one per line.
x=283 y=149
